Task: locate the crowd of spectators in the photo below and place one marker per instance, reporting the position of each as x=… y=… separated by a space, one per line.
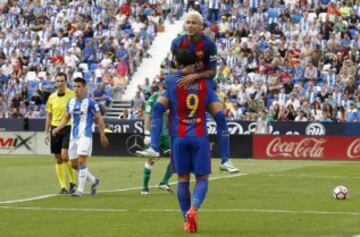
x=102 y=41
x=293 y=60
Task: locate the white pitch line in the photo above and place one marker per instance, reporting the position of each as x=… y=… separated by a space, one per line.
x=279 y=211
x=29 y=199
x=311 y=176
x=311 y=212
x=174 y=182
x=111 y=190
x=63 y=209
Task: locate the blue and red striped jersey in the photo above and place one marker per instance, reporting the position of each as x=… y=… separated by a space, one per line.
x=188 y=106
x=205 y=50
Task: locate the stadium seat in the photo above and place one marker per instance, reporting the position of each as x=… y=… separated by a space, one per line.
x=87 y=77
x=93 y=67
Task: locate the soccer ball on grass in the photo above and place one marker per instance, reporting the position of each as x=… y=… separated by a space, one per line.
x=341 y=192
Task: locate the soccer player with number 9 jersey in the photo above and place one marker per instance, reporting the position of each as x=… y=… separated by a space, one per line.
x=190 y=142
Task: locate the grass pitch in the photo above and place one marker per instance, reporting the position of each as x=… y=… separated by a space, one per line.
x=267 y=199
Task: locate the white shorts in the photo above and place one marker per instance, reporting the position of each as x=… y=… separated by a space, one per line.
x=80 y=146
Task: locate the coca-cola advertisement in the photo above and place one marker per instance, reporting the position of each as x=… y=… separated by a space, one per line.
x=306 y=147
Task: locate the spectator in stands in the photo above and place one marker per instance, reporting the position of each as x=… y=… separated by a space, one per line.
x=301 y=117
x=316 y=112
x=213 y=10
x=3 y=107
x=15 y=103
x=122 y=68
x=262 y=124
x=311 y=73
x=22 y=109
x=138 y=100
x=327 y=112
x=99 y=94
x=352 y=114
x=290 y=112
x=348 y=71
x=350 y=87
x=125 y=114
x=36 y=97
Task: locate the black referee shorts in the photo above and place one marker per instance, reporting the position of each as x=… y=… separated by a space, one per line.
x=61 y=140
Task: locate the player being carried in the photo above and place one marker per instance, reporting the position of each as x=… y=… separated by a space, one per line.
x=83 y=111
x=205 y=53
x=164 y=144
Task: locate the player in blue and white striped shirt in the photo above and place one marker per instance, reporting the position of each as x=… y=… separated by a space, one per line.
x=83 y=111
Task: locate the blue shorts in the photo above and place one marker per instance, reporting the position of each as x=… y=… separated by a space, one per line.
x=191 y=155
x=213 y=84
x=213 y=98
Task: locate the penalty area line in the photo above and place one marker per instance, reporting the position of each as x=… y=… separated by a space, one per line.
x=111 y=190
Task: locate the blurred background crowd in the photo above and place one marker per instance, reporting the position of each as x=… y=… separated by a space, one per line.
x=101 y=41
x=294 y=60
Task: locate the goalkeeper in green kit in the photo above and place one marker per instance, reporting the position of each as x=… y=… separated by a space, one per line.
x=164 y=144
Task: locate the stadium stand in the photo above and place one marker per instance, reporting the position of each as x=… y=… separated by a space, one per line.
x=294 y=60
x=286 y=58
x=102 y=41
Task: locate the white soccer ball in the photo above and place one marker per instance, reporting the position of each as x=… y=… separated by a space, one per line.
x=341 y=192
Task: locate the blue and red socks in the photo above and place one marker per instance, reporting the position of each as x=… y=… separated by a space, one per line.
x=222 y=135
x=200 y=190
x=184 y=196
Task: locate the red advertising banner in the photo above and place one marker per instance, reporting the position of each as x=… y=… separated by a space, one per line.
x=306 y=147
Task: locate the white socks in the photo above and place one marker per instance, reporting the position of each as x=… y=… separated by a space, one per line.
x=84 y=175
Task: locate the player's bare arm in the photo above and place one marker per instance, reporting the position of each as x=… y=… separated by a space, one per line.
x=186 y=80
x=47 y=127
x=100 y=121
x=62 y=124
